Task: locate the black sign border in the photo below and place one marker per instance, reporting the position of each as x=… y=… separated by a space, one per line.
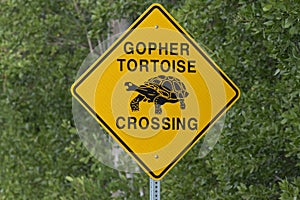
x=159 y=176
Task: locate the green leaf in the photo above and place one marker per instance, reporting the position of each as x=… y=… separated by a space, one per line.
x=69 y=178
x=269 y=23
x=267 y=7
x=294 y=30
x=288 y=22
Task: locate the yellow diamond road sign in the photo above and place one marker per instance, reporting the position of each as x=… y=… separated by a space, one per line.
x=155 y=91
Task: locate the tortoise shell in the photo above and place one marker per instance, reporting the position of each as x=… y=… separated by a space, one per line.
x=170 y=85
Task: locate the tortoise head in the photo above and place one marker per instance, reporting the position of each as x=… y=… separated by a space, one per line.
x=130 y=86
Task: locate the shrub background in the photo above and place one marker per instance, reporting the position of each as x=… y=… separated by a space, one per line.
x=42 y=44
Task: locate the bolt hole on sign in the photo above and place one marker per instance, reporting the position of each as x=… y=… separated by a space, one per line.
x=155 y=91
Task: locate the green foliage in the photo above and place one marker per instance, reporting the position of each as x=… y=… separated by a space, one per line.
x=42 y=44
x=257 y=47
x=290 y=189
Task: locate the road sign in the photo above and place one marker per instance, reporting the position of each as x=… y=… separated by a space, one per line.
x=155 y=91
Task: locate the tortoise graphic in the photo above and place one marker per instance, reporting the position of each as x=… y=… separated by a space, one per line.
x=160 y=90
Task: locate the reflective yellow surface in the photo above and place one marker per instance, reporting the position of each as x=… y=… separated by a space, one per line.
x=155 y=48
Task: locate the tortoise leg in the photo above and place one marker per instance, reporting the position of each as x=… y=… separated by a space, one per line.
x=158 y=102
x=182 y=104
x=158 y=109
x=134 y=104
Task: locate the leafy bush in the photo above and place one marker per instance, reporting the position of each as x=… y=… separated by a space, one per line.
x=42 y=44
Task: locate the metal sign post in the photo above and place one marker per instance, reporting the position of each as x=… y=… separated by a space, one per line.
x=154 y=189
